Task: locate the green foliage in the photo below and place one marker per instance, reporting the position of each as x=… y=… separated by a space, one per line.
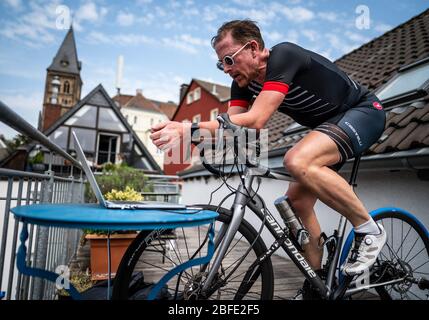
x=119 y=177
x=38 y=158
x=81 y=281
x=118 y=182
x=16 y=142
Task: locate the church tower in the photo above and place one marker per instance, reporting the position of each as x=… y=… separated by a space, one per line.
x=63 y=82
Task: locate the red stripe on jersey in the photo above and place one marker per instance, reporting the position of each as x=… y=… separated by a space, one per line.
x=238 y=103
x=276 y=86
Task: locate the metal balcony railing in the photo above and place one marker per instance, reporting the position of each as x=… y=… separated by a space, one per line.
x=48 y=247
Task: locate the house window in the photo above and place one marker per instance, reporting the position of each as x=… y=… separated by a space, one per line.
x=196 y=118
x=107 y=148
x=214 y=113
x=190 y=97
x=197 y=94
x=410 y=79
x=66 y=87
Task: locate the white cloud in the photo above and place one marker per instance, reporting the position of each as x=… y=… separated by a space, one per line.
x=125 y=19
x=27 y=105
x=185 y=43
x=273 y=36
x=357 y=37
x=88 y=12
x=209 y=15
x=179 y=44
x=245 y=3
x=15 y=4
x=159 y=86
x=96 y=37
x=292 y=36
x=328 y=15
x=33 y=28
x=264 y=17
x=144 y=2
x=194 y=41
x=382 y=27
x=297 y=14
x=339 y=44
x=191 y=12
x=310 y=34
x=147 y=19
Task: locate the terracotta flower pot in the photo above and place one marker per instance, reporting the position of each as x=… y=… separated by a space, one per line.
x=99 y=262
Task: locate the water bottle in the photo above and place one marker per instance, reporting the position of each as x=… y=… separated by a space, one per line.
x=284 y=207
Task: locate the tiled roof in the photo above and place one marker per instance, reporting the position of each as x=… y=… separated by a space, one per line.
x=66 y=58
x=406 y=128
x=372 y=65
x=141 y=102
x=122 y=99
x=223 y=93
x=168 y=108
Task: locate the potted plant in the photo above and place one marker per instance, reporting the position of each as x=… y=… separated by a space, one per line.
x=119 y=240
x=117 y=182
x=36 y=162
x=80 y=280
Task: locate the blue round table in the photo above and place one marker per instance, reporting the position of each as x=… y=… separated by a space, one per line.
x=97 y=217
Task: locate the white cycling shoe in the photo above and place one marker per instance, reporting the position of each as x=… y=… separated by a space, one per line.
x=365 y=252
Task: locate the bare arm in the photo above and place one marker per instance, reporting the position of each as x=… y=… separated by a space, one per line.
x=264 y=106
x=267 y=102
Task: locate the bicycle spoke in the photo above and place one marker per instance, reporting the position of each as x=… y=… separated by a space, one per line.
x=199 y=241
x=157 y=266
x=402 y=235
x=415 y=255
x=403 y=241
x=421 y=265
x=418 y=272
x=415 y=295
x=391 y=230
x=187 y=248
x=411 y=248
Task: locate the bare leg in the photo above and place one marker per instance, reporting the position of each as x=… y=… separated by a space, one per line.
x=308 y=163
x=303 y=201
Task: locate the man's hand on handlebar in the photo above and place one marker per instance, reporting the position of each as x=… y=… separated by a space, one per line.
x=167 y=135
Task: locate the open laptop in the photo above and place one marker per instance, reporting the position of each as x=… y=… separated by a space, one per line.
x=117 y=204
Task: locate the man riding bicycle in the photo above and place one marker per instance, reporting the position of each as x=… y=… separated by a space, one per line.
x=345 y=118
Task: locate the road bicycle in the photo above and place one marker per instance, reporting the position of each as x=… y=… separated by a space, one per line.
x=241 y=267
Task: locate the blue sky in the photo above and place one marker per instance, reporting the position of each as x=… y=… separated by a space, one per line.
x=166 y=43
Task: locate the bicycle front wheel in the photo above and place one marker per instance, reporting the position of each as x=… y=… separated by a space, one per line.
x=155 y=253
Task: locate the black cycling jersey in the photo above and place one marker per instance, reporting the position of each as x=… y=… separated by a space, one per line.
x=315 y=88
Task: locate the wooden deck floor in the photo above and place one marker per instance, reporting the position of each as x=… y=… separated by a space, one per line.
x=288 y=279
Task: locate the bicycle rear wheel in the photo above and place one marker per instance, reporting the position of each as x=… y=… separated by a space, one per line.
x=407 y=244
x=405 y=255
x=155 y=253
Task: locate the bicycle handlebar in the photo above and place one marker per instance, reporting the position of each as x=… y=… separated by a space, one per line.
x=225 y=123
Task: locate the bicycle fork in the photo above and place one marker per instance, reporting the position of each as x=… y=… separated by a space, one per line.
x=239 y=206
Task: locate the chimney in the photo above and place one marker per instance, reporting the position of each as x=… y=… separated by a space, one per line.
x=214 y=90
x=183 y=88
x=139 y=92
x=119 y=71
